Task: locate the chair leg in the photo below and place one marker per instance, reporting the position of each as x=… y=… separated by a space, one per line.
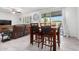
x=31 y=39
x=38 y=44
x=58 y=38
x=42 y=42
x=51 y=44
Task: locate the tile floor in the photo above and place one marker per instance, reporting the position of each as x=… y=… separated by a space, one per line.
x=22 y=44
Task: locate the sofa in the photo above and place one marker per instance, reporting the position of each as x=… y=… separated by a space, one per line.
x=19 y=31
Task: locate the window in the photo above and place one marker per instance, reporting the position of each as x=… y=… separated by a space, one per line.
x=52 y=17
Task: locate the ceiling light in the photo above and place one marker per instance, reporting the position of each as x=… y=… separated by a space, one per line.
x=13 y=12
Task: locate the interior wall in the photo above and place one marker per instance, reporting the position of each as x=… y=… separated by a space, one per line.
x=32 y=19
x=77 y=23
x=39 y=12
x=9 y=16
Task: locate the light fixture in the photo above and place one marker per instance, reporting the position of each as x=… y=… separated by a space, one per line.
x=13 y=12
x=16 y=10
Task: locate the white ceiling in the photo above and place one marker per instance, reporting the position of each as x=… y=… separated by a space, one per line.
x=24 y=9
x=21 y=9
x=31 y=9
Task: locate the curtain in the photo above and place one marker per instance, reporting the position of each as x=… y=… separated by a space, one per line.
x=69 y=21
x=65 y=25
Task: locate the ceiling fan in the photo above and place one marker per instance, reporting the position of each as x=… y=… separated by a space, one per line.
x=16 y=11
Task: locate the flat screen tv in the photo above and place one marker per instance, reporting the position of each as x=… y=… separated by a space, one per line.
x=5 y=22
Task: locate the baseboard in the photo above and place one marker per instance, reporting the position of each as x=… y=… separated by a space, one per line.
x=68 y=36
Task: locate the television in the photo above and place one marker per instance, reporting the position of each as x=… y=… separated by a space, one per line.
x=5 y=22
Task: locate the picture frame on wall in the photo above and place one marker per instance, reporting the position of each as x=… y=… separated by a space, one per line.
x=25 y=20
x=28 y=19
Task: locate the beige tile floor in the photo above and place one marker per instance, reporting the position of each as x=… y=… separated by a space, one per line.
x=22 y=44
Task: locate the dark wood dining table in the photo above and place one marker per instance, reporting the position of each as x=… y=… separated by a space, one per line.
x=54 y=28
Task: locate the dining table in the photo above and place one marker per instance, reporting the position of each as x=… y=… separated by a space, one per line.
x=54 y=28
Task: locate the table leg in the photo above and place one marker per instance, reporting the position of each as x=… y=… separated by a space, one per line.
x=58 y=39
x=31 y=38
x=54 y=40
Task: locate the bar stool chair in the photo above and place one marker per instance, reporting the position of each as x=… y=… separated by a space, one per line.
x=35 y=31
x=46 y=33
